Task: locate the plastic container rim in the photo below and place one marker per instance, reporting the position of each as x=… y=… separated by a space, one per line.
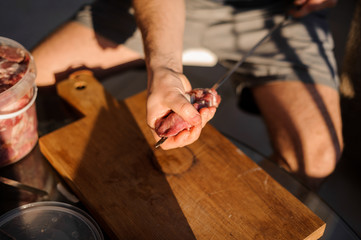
x=22 y=110
x=59 y=206
x=7 y=95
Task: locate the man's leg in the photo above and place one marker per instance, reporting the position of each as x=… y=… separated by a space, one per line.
x=75 y=45
x=305 y=127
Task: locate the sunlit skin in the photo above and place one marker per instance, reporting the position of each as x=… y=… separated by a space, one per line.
x=160 y=102
x=74 y=45
x=166 y=83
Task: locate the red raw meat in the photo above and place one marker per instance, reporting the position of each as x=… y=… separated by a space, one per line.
x=12 y=54
x=13 y=65
x=172 y=123
x=18 y=134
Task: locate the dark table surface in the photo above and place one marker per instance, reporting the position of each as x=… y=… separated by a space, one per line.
x=34 y=170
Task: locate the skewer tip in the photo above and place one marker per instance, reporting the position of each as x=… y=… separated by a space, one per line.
x=162 y=140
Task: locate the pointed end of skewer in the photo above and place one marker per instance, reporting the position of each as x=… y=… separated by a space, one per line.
x=162 y=140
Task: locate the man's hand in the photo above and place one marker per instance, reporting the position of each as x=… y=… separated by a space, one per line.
x=162 y=25
x=304 y=7
x=167 y=92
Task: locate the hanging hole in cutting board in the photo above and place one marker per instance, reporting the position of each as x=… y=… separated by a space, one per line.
x=80 y=85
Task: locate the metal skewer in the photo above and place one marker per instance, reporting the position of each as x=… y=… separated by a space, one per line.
x=162 y=140
x=227 y=75
x=23 y=186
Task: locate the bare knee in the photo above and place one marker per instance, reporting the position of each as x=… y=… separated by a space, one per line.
x=313 y=162
x=319 y=166
x=323 y=159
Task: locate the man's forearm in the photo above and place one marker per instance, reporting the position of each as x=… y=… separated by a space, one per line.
x=162 y=25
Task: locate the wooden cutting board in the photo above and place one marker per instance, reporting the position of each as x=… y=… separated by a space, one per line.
x=208 y=190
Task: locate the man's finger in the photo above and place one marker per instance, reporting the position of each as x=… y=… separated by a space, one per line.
x=186 y=110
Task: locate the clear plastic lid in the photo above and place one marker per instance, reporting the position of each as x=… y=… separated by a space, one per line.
x=48 y=220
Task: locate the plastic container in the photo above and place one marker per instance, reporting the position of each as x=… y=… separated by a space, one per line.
x=18 y=122
x=49 y=220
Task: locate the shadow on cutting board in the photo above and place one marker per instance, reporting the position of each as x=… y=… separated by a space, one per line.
x=107 y=162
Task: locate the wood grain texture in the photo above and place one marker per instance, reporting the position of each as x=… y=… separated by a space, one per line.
x=208 y=190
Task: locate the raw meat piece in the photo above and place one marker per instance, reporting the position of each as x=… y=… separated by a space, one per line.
x=13 y=64
x=12 y=54
x=18 y=133
x=172 y=123
x=204 y=97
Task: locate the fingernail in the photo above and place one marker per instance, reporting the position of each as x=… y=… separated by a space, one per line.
x=196 y=119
